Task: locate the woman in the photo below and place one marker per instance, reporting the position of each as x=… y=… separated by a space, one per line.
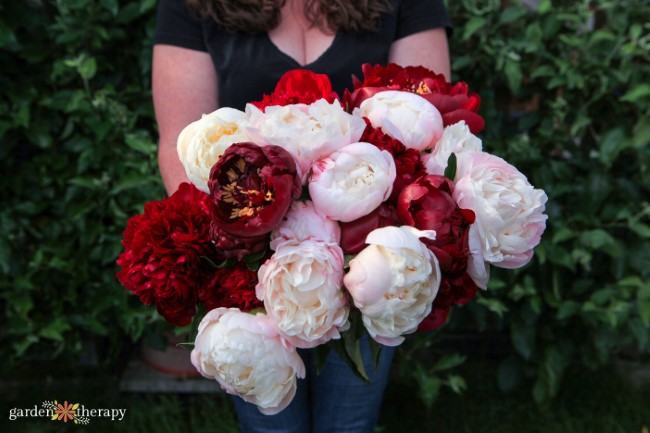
x=212 y=53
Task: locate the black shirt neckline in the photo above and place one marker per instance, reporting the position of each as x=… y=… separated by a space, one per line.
x=294 y=63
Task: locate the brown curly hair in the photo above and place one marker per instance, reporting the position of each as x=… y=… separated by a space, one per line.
x=258 y=16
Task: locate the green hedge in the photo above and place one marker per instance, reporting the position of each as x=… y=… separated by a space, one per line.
x=565 y=93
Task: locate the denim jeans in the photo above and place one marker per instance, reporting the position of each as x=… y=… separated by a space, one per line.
x=335 y=401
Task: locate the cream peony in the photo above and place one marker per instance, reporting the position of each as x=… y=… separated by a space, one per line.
x=394 y=281
x=304 y=221
x=456 y=138
x=308 y=132
x=352 y=182
x=247 y=356
x=301 y=286
x=405 y=116
x=509 y=212
x=201 y=143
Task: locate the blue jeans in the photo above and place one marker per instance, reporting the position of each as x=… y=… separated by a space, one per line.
x=336 y=401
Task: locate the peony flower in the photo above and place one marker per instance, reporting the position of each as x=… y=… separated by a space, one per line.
x=161 y=262
x=456 y=138
x=201 y=143
x=308 y=132
x=354 y=233
x=393 y=282
x=305 y=222
x=301 y=286
x=453 y=101
x=251 y=188
x=407 y=161
x=229 y=246
x=247 y=356
x=231 y=287
x=405 y=116
x=509 y=212
x=352 y=182
x=427 y=204
x=299 y=86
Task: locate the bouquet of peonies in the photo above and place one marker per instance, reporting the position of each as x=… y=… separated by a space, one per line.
x=312 y=219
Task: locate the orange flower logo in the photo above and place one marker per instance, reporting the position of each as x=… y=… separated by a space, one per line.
x=65 y=412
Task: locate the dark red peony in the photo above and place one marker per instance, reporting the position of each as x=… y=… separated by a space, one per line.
x=232 y=288
x=407 y=161
x=251 y=189
x=161 y=262
x=454 y=101
x=299 y=86
x=427 y=204
x=354 y=233
x=233 y=247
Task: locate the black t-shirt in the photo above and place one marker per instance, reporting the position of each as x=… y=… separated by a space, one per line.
x=249 y=66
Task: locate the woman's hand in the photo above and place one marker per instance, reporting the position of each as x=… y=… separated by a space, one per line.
x=184 y=86
x=428 y=48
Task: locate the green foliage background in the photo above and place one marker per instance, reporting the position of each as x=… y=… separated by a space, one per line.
x=565 y=92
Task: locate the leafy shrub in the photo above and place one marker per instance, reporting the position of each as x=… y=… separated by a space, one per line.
x=78 y=158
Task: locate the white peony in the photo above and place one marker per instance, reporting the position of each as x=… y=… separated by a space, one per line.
x=201 y=143
x=301 y=286
x=509 y=212
x=405 y=116
x=304 y=221
x=308 y=132
x=393 y=282
x=352 y=182
x=456 y=138
x=248 y=357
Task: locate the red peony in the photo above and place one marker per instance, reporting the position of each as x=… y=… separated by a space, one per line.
x=161 y=262
x=251 y=189
x=454 y=101
x=354 y=233
x=299 y=86
x=232 y=288
x=233 y=247
x=407 y=161
x=427 y=204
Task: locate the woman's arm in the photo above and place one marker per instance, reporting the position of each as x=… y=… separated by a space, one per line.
x=428 y=48
x=184 y=84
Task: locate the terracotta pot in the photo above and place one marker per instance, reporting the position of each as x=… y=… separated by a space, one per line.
x=173 y=361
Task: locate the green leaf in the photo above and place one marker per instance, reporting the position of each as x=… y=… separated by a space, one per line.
x=513 y=72
x=450 y=170
x=55 y=329
x=449 y=361
x=88 y=68
x=509 y=375
x=456 y=383
x=147 y=5
x=428 y=385
x=494 y=305
x=637 y=93
x=511 y=14
x=642 y=132
x=112 y=6
x=320 y=354
x=473 y=25
x=375 y=352
x=254 y=261
x=351 y=359
x=567 y=309
x=523 y=339
x=140 y=142
x=186 y=346
x=643 y=302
